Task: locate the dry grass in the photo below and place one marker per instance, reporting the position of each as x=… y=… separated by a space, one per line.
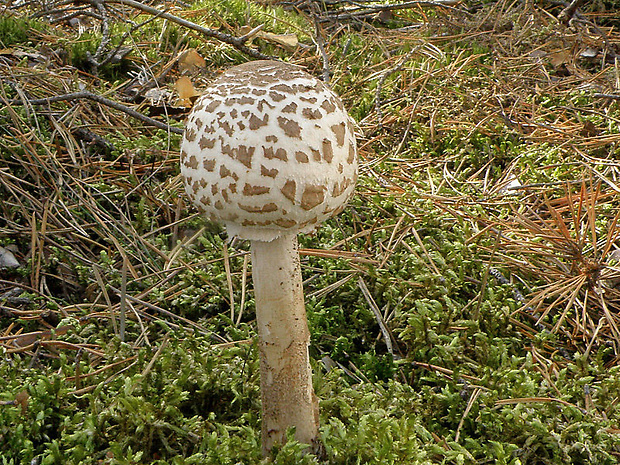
x=563 y=252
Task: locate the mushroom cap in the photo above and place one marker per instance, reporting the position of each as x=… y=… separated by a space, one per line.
x=269 y=149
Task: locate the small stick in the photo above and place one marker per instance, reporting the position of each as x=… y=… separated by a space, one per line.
x=320 y=44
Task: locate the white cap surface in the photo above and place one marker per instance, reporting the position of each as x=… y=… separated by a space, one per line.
x=269 y=149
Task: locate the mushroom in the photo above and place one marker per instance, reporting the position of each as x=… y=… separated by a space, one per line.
x=270 y=151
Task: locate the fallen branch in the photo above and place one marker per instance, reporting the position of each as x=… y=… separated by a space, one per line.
x=237 y=42
x=361 y=9
x=65 y=10
x=104 y=101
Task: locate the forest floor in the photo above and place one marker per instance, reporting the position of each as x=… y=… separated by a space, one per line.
x=464 y=308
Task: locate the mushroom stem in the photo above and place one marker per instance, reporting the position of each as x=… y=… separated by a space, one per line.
x=286 y=376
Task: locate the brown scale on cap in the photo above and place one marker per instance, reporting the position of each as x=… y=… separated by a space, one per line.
x=285 y=140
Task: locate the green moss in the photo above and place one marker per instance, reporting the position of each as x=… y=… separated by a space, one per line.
x=16 y=30
x=247 y=13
